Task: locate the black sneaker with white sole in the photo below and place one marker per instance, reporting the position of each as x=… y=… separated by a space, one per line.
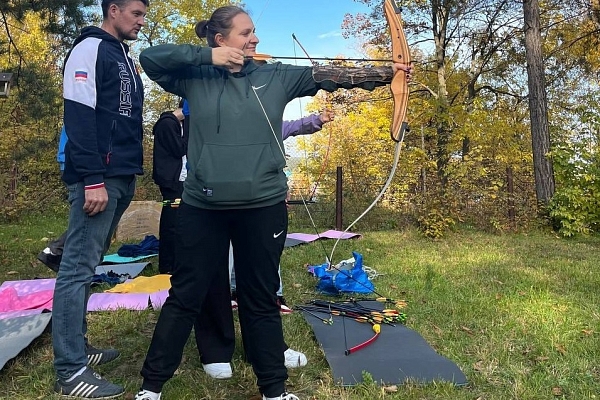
x=50 y=260
x=100 y=356
x=88 y=385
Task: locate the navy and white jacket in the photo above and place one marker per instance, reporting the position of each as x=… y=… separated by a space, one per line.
x=103 y=97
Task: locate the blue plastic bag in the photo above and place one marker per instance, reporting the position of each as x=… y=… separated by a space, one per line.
x=350 y=280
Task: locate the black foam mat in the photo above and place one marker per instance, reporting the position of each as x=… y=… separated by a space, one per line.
x=398 y=354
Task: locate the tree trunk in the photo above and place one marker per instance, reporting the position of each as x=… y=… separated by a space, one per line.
x=443 y=129
x=538 y=104
x=595 y=12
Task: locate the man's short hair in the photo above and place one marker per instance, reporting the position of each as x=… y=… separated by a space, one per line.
x=119 y=3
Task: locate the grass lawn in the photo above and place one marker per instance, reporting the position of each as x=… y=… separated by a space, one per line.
x=519 y=314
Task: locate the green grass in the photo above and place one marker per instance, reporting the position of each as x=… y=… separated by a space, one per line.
x=519 y=314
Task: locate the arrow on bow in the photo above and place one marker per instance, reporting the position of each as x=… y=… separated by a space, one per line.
x=266 y=57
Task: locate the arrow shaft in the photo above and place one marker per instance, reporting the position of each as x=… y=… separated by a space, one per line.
x=326 y=58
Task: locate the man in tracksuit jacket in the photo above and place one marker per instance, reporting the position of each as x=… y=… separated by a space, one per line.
x=103 y=98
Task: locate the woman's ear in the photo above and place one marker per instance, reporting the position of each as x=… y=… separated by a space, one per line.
x=220 y=40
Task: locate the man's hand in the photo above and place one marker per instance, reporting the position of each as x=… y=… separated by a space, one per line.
x=227 y=56
x=95 y=201
x=327 y=116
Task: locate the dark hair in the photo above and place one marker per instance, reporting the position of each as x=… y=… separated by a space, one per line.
x=219 y=22
x=180 y=104
x=119 y=3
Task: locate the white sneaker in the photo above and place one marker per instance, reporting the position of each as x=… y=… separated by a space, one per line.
x=294 y=359
x=283 y=307
x=147 y=395
x=218 y=370
x=283 y=396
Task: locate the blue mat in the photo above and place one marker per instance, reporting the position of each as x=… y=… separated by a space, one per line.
x=117 y=259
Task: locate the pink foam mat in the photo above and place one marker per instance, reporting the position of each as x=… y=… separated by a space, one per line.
x=37 y=294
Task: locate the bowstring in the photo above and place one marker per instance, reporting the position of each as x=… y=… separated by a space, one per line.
x=397 y=149
x=304 y=202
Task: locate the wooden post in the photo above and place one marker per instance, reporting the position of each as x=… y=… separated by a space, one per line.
x=423 y=171
x=338 y=199
x=511 y=195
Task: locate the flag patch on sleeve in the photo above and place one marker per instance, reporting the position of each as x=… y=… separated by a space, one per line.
x=81 y=76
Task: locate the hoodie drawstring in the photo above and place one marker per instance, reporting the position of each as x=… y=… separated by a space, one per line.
x=225 y=79
x=130 y=68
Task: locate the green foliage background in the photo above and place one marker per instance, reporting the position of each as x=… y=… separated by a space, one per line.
x=467 y=159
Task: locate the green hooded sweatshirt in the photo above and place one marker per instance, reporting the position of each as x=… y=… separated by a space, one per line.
x=235 y=150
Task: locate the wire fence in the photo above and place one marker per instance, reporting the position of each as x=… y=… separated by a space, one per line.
x=511 y=207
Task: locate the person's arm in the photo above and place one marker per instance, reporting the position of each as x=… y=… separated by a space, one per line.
x=81 y=84
x=331 y=78
x=302 y=81
x=302 y=126
x=169 y=64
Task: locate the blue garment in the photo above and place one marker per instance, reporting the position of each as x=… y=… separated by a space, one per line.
x=88 y=238
x=186 y=108
x=110 y=278
x=147 y=247
x=62 y=142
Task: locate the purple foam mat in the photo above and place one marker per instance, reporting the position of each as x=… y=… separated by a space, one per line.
x=29 y=286
x=115 y=301
x=330 y=234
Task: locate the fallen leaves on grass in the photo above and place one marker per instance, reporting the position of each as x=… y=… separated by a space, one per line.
x=469 y=331
x=557 y=391
x=390 y=389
